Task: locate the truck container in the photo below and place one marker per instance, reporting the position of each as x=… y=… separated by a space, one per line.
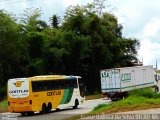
x=117 y=82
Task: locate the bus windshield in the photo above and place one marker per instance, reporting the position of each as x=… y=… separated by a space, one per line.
x=18 y=88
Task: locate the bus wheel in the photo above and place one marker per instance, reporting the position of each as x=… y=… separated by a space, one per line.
x=57 y=109
x=30 y=113
x=23 y=113
x=49 y=108
x=76 y=104
x=43 y=109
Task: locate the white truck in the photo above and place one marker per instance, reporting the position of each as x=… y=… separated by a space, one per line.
x=117 y=82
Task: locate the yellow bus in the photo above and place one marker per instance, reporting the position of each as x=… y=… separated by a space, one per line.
x=44 y=93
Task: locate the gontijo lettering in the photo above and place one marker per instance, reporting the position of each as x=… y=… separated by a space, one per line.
x=54 y=93
x=18 y=91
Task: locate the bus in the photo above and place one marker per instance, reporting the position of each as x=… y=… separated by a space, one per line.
x=44 y=93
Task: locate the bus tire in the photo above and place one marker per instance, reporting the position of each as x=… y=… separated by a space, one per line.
x=57 y=109
x=30 y=113
x=76 y=104
x=23 y=113
x=49 y=108
x=44 y=109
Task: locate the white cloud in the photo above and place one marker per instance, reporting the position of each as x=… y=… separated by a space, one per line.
x=152 y=28
x=149 y=51
x=68 y=2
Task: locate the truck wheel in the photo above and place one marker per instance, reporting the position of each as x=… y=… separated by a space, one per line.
x=23 y=113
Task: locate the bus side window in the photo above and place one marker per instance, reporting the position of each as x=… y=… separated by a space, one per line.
x=54 y=85
x=59 y=85
x=41 y=86
x=67 y=83
x=62 y=84
x=49 y=85
x=45 y=85
x=71 y=84
x=34 y=86
x=75 y=84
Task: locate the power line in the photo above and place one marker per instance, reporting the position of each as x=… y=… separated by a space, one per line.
x=13 y=2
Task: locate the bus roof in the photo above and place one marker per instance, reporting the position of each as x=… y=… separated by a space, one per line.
x=48 y=77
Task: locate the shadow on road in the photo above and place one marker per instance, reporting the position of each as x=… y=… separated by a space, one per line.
x=53 y=111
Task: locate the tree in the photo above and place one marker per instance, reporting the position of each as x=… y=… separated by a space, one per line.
x=8 y=46
x=32 y=31
x=55 y=21
x=107 y=47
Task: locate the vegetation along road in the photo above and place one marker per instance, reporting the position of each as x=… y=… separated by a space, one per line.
x=68 y=112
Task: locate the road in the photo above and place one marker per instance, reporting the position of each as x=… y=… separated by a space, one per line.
x=87 y=106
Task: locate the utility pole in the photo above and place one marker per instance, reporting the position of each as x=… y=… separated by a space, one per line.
x=156 y=64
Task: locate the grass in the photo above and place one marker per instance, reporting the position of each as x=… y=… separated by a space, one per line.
x=138 y=100
x=3 y=106
x=129 y=104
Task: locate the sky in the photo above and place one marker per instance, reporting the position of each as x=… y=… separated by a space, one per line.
x=140 y=19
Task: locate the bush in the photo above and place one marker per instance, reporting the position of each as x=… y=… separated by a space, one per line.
x=3 y=92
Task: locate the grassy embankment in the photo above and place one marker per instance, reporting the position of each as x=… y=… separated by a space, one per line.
x=3 y=101
x=137 y=100
x=3 y=106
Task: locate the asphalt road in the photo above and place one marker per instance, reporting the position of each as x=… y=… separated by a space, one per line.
x=86 y=107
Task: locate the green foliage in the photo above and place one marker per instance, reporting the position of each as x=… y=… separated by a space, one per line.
x=3 y=106
x=8 y=46
x=3 y=92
